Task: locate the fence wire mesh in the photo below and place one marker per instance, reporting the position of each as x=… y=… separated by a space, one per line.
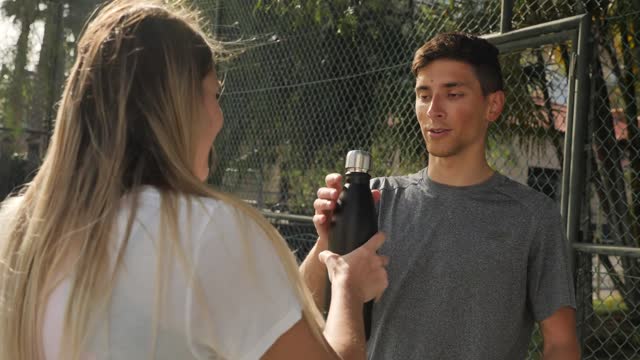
x=309 y=88
x=609 y=302
x=320 y=80
x=527 y=13
x=300 y=234
x=527 y=143
x=315 y=79
x=615 y=138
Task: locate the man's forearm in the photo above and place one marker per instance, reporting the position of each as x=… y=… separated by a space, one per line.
x=567 y=352
x=344 y=329
x=314 y=273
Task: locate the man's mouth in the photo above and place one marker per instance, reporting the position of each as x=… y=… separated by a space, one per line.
x=438 y=131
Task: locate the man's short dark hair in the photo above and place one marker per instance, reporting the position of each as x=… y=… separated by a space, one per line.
x=475 y=51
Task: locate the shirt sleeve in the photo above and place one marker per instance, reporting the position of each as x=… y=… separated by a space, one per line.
x=549 y=277
x=249 y=300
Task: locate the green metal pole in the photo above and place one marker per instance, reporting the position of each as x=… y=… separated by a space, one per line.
x=580 y=122
x=506 y=16
x=568 y=136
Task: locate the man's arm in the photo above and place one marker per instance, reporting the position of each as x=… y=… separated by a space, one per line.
x=550 y=288
x=559 y=334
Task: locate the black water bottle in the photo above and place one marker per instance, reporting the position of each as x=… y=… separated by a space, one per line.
x=355 y=220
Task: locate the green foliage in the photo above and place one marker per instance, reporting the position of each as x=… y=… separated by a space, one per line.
x=341 y=17
x=610 y=305
x=307 y=181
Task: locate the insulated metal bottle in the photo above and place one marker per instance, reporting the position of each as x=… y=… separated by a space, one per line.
x=355 y=220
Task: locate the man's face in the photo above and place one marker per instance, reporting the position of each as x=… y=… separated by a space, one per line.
x=451 y=109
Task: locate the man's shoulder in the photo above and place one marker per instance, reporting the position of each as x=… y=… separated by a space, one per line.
x=532 y=200
x=397 y=182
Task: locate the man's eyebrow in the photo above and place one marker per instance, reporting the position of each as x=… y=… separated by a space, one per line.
x=454 y=84
x=448 y=85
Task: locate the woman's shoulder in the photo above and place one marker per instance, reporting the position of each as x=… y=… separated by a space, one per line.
x=9 y=206
x=8 y=216
x=198 y=212
x=150 y=198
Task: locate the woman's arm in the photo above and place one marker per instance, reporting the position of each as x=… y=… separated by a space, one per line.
x=355 y=279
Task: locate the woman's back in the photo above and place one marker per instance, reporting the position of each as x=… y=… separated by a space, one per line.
x=247 y=300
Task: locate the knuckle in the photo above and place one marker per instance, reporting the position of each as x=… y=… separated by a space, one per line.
x=331 y=178
x=324 y=194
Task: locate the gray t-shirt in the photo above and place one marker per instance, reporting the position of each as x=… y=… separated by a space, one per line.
x=471 y=269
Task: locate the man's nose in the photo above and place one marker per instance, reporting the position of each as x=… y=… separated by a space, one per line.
x=435 y=109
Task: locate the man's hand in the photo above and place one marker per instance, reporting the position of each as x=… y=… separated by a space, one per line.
x=312 y=270
x=324 y=206
x=326 y=203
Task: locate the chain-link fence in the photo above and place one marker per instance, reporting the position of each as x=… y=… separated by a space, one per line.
x=608 y=305
x=615 y=141
x=528 y=142
x=610 y=292
x=297 y=230
x=316 y=79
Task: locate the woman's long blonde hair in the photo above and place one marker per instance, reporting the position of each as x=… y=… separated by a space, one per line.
x=128 y=117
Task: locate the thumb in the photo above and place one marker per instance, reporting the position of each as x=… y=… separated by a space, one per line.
x=327 y=258
x=375 y=242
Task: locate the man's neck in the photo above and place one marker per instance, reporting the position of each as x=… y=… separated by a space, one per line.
x=458 y=171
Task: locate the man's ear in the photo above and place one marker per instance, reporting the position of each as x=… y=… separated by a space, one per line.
x=496 y=105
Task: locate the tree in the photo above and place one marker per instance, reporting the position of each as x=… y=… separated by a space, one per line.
x=25 y=13
x=31 y=99
x=48 y=79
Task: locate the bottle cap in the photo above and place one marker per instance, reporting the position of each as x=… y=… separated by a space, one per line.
x=358 y=161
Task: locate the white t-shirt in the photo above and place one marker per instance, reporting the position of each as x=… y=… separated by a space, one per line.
x=249 y=300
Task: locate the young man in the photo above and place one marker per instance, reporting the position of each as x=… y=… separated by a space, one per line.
x=475 y=258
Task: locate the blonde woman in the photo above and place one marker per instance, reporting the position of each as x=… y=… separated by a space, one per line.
x=118 y=250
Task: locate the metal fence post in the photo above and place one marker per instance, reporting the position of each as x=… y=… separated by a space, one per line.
x=506 y=16
x=580 y=119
